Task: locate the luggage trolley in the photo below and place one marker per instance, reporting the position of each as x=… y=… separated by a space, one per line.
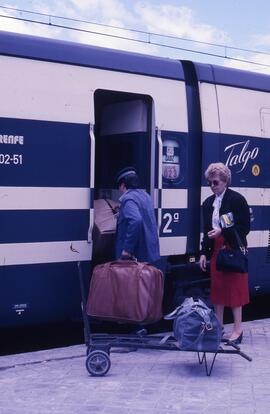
x=98 y=345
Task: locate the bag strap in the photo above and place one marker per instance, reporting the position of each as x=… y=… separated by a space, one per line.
x=239 y=241
x=205 y=315
x=173 y=314
x=114 y=209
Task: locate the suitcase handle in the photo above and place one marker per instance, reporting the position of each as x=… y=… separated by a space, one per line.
x=124 y=263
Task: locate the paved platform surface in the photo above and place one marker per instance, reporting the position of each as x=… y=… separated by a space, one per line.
x=147 y=381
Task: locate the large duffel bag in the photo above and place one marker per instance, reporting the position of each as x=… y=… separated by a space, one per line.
x=196 y=327
x=126 y=291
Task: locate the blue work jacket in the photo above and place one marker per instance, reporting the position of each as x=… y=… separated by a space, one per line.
x=136 y=227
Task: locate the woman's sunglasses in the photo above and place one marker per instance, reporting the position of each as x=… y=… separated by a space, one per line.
x=214 y=182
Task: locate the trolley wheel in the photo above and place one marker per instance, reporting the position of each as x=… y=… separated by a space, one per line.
x=98 y=363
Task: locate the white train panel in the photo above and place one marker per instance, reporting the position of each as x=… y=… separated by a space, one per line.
x=44 y=198
x=58 y=92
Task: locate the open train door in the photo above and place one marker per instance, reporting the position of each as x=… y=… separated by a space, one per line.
x=124 y=136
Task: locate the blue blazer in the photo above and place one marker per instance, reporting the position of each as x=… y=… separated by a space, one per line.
x=136 y=227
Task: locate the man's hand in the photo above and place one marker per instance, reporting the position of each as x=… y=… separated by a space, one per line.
x=125 y=253
x=127 y=256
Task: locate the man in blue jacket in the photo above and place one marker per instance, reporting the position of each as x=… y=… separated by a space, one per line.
x=136 y=225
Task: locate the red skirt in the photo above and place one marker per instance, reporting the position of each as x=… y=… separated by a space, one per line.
x=228 y=289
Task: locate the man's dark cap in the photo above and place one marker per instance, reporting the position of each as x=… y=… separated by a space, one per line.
x=124 y=173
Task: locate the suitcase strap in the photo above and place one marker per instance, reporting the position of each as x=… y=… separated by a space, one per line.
x=115 y=210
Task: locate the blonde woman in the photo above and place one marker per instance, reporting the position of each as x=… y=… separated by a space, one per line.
x=227 y=289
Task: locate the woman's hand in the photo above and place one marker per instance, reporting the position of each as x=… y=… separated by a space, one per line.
x=214 y=233
x=203 y=263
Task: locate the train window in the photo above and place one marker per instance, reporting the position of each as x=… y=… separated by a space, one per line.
x=124 y=118
x=171 y=161
x=123 y=136
x=265 y=122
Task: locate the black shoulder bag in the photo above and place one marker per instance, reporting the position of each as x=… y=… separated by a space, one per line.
x=233 y=260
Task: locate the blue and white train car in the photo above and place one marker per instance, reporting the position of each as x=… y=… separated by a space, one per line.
x=71 y=116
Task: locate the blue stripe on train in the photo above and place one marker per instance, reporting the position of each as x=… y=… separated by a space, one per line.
x=259 y=269
x=53 y=154
x=260 y=218
x=46 y=292
x=246 y=156
x=26 y=226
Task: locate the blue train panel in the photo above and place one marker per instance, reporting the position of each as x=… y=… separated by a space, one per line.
x=246 y=156
x=31 y=226
x=47 y=154
x=258 y=271
x=38 y=293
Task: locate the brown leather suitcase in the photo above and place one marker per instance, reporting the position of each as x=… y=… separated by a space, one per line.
x=126 y=291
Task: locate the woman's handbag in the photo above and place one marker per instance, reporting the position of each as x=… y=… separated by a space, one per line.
x=233 y=260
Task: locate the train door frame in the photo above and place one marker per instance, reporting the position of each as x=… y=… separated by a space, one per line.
x=118 y=107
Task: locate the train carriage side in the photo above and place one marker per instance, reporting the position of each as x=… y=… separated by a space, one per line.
x=71 y=116
x=235 y=111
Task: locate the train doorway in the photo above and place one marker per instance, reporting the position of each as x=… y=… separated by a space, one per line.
x=124 y=136
x=123 y=131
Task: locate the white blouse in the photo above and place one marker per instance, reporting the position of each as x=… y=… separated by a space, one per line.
x=216 y=204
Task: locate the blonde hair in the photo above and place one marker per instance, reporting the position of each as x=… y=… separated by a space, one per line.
x=219 y=169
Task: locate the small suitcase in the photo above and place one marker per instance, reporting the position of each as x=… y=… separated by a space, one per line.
x=126 y=291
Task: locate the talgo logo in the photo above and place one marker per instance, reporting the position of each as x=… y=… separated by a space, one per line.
x=240 y=154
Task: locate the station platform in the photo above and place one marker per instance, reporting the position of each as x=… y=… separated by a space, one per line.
x=147 y=381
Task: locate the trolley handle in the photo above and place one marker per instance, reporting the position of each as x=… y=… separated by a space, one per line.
x=87 y=331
